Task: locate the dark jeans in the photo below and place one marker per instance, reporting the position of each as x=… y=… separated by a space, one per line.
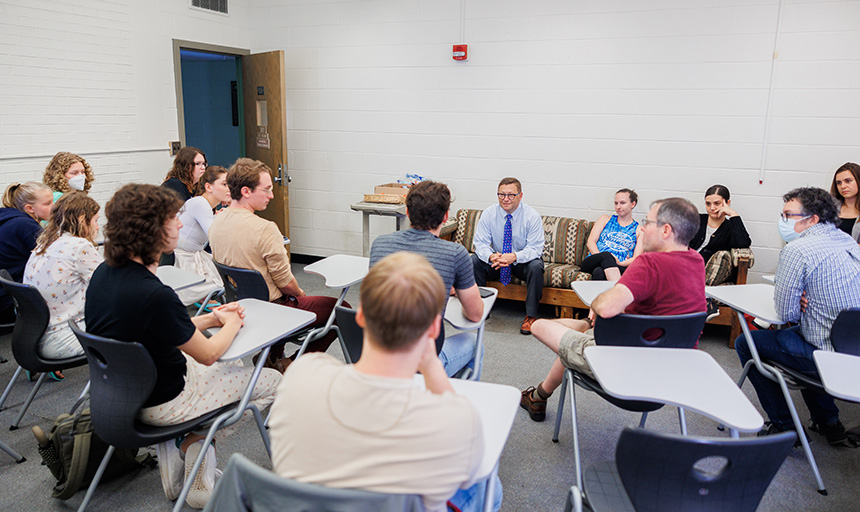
x=595 y=264
x=530 y=272
x=321 y=307
x=788 y=348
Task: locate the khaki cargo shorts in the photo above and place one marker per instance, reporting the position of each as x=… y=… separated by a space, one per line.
x=571 y=350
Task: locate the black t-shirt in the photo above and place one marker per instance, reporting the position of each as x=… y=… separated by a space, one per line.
x=129 y=303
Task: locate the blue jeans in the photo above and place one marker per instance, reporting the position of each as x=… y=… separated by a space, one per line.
x=457 y=353
x=788 y=348
x=472 y=499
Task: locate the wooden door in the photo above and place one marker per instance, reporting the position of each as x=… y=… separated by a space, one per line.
x=264 y=98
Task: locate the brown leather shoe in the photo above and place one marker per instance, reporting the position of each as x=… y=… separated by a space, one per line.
x=535 y=407
x=527 y=325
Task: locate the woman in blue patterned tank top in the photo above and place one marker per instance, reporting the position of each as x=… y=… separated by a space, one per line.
x=613 y=243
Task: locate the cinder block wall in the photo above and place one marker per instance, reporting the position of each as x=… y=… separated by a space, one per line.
x=96 y=78
x=576 y=98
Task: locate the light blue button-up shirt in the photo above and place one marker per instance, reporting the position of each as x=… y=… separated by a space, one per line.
x=526 y=229
x=825 y=263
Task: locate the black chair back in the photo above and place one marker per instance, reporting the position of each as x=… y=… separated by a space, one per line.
x=122 y=376
x=671 y=473
x=351 y=334
x=845 y=333
x=32 y=318
x=666 y=331
x=242 y=283
x=244 y=486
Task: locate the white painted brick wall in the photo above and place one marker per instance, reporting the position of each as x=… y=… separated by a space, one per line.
x=96 y=78
x=577 y=99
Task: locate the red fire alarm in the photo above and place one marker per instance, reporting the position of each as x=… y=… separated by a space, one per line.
x=460 y=51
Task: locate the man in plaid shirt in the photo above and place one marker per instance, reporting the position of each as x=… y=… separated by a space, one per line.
x=818 y=276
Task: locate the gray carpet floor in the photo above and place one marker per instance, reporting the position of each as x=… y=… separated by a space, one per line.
x=535 y=472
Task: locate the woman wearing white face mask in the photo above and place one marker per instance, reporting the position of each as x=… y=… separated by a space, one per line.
x=67 y=172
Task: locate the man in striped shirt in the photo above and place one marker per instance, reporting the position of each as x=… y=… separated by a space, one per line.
x=818 y=276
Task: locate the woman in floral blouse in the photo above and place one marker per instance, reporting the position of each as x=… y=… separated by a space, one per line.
x=61 y=266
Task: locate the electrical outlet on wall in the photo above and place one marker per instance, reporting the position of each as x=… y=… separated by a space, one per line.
x=175 y=146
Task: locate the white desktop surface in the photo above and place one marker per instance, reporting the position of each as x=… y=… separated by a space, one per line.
x=686 y=378
x=454 y=311
x=839 y=374
x=497 y=406
x=752 y=299
x=340 y=270
x=177 y=278
x=768 y=278
x=265 y=323
x=380 y=208
x=589 y=290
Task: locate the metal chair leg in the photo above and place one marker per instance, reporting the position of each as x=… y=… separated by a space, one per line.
x=9 y=386
x=576 y=454
x=97 y=478
x=15 y=455
x=564 y=380
x=643 y=419
x=82 y=398
x=30 y=398
x=682 y=420
x=801 y=435
x=217 y=292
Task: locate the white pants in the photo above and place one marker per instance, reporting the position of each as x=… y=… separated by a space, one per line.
x=202 y=264
x=208 y=388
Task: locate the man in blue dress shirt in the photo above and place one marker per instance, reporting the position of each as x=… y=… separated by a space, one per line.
x=509 y=241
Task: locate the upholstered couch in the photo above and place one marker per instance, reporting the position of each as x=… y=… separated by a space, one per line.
x=564 y=251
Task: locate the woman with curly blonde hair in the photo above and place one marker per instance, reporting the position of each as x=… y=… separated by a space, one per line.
x=61 y=266
x=188 y=166
x=66 y=172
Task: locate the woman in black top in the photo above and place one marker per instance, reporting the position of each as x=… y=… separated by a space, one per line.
x=188 y=166
x=126 y=301
x=721 y=228
x=844 y=188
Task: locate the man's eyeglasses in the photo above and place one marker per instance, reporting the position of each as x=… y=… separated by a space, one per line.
x=647 y=221
x=507 y=196
x=784 y=216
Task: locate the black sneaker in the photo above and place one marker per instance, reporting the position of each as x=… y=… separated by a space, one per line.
x=772 y=428
x=835 y=434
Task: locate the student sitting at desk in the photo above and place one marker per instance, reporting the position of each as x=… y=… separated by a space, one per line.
x=127 y=302
x=239 y=238
x=61 y=267
x=366 y=426
x=817 y=277
x=667 y=279
x=613 y=243
x=66 y=172
x=427 y=205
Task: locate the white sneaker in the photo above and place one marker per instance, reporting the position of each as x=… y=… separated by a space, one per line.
x=172 y=468
x=204 y=481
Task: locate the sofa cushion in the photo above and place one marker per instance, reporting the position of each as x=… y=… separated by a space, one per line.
x=565 y=240
x=558 y=275
x=467 y=221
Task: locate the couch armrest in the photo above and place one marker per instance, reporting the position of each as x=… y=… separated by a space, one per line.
x=448 y=229
x=739 y=254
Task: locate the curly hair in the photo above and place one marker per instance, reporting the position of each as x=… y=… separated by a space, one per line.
x=136 y=215
x=71 y=214
x=855 y=171
x=427 y=202
x=183 y=167
x=55 y=172
x=815 y=201
x=19 y=195
x=245 y=172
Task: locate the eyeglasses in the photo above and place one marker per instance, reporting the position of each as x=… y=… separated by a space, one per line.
x=784 y=216
x=507 y=196
x=647 y=221
x=203 y=163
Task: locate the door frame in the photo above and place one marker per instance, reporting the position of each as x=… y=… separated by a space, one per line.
x=179 y=44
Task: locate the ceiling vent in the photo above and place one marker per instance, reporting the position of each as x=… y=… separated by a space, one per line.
x=211 y=5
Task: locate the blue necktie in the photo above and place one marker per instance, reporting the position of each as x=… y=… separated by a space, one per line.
x=505 y=272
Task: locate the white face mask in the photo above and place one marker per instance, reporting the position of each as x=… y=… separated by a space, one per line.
x=786 y=228
x=77 y=182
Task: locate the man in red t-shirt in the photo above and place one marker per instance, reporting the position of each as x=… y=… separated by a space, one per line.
x=667 y=279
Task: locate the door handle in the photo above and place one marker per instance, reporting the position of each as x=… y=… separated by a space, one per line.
x=280 y=176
